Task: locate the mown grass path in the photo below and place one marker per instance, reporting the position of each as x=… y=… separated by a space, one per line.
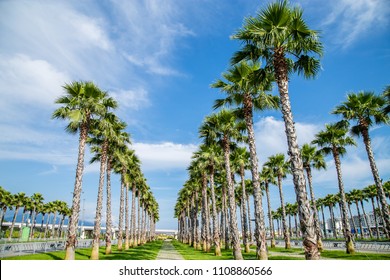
x=168 y=252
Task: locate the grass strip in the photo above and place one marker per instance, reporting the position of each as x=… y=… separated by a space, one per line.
x=147 y=251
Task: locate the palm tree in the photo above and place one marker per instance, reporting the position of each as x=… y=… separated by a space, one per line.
x=226 y=128
x=371 y=192
x=240 y=160
x=245 y=85
x=333 y=140
x=356 y=196
x=280 y=36
x=37 y=201
x=386 y=95
x=18 y=201
x=366 y=109
x=330 y=201
x=280 y=168
x=312 y=158
x=5 y=202
x=268 y=177
x=82 y=102
x=211 y=153
x=320 y=203
x=48 y=208
x=350 y=199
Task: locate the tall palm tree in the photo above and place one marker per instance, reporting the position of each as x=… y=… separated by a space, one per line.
x=356 y=196
x=364 y=197
x=211 y=153
x=82 y=102
x=366 y=109
x=240 y=160
x=227 y=128
x=37 y=201
x=18 y=201
x=350 y=199
x=330 y=201
x=103 y=133
x=245 y=86
x=268 y=177
x=371 y=192
x=118 y=153
x=333 y=140
x=280 y=36
x=5 y=202
x=280 y=168
x=311 y=158
x=320 y=204
x=198 y=168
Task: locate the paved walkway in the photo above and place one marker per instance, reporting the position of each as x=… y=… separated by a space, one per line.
x=168 y=252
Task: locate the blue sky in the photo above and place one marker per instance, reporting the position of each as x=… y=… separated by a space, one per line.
x=158 y=59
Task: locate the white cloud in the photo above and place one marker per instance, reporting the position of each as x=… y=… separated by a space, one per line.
x=132 y=98
x=164 y=156
x=352 y=19
x=27 y=81
x=152 y=32
x=271 y=138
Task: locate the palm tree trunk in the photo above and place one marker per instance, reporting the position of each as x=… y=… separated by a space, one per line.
x=365 y=219
x=121 y=209
x=360 y=219
x=47 y=226
x=74 y=218
x=377 y=179
x=249 y=218
x=217 y=244
x=375 y=218
x=13 y=222
x=314 y=209
x=270 y=219
x=108 y=212
x=203 y=213
x=305 y=215
x=285 y=228
x=138 y=232
x=99 y=204
x=244 y=217
x=193 y=222
x=127 y=237
x=33 y=215
x=226 y=219
x=382 y=218
x=346 y=227
x=53 y=225
x=197 y=235
x=232 y=203
x=333 y=221
x=133 y=236
x=260 y=233
x=324 y=222
x=353 y=221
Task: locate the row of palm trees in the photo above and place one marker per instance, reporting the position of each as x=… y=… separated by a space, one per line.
x=355 y=197
x=32 y=207
x=279 y=38
x=89 y=111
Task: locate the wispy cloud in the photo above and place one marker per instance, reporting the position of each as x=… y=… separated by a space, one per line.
x=350 y=20
x=164 y=156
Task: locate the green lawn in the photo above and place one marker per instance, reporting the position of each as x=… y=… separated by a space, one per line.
x=148 y=251
x=277 y=253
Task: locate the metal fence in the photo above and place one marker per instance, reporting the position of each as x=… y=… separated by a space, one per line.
x=26 y=248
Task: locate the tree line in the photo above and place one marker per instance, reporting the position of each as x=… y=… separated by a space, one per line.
x=32 y=207
x=276 y=43
x=89 y=111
